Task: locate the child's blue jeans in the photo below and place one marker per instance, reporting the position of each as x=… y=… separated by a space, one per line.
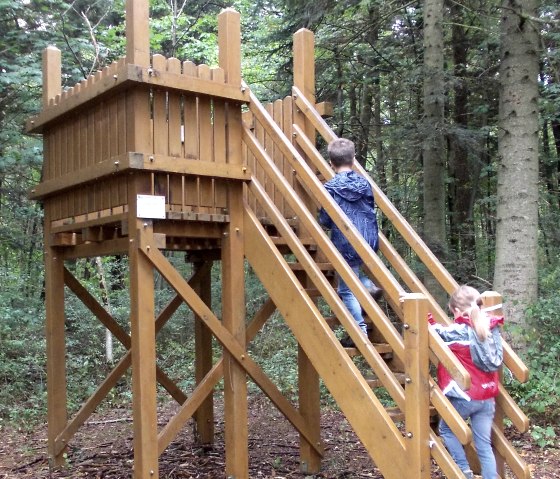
x=350 y=300
x=481 y=414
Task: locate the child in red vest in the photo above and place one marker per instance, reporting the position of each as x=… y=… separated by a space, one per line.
x=475 y=339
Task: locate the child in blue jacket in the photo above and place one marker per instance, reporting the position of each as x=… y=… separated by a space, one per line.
x=352 y=192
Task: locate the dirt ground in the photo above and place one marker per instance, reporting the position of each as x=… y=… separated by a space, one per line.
x=103 y=449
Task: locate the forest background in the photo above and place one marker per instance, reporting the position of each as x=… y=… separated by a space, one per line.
x=422 y=87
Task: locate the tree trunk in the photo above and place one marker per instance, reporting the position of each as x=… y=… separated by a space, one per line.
x=433 y=146
x=515 y=274
x=106 y=303
x=464 y=184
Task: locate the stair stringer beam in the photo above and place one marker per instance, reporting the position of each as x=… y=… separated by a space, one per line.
x=365 y=413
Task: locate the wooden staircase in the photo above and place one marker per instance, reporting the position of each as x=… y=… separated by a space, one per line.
x=391 y=363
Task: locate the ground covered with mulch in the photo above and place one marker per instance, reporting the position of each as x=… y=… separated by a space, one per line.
x=103 y=449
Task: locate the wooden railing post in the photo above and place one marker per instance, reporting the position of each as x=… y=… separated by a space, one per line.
x=493 y=301
x=52 y=74
x=233 y=274
x=417 y=385
x=309 y=402
x=138 y=32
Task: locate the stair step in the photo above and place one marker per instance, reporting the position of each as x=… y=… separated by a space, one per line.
x=376 y=382
x=382 y=348
x=321 y=266
x=333 y=321
x=398 y=416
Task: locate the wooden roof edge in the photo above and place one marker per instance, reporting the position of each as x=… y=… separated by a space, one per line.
x=123 y=76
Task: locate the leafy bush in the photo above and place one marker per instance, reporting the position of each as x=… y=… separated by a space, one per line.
x=540 y=396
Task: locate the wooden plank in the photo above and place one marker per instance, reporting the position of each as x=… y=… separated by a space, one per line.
x=83 y=160
x=417 y=385
x=63 y=163
x=233 y=271
x=268 y=144
x=191 y=143
x=449 y=414
x=122 y=115
x=98 y=156
x=443 y=459
x=278 y=115
x=200 y=167
x=206 y=185
x=137 y=161
x=190 y=406
x=260 y=318
x=75 y=163
x=505 y=450
x=219 y=138
x=91 y=404
x=339 y=373
x=160 y=128
x=113 y=140
x=325 y=109
x=90 y=158
x=106 y=188
x=175 y=146
x=304 y=63
x=310 y=408
x=259 y=133
x=511 y=410
x=144 y=406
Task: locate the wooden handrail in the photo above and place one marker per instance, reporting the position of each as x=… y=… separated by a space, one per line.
x=394 y=291
x=369 y=353
x=511 y=359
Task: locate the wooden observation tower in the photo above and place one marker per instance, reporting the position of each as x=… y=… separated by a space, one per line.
x=154 y=154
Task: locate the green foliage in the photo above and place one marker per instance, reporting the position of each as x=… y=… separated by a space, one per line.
x=540 y=396
x=543 y=436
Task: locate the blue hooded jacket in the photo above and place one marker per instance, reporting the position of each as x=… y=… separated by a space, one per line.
x=352 y=192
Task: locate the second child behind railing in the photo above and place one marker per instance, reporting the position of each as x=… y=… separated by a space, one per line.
x=353 y=193
x=476 y=341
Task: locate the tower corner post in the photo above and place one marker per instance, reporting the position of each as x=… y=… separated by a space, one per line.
x=417 y=384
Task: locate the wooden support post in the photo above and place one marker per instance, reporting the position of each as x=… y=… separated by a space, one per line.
x=492 y=299
x=143 y=345
x=138 y=32
x=309 y=397
x=417 y=385
x=233 y=272
x=56 y=349
x=309 y=403
x=52 y=74
x=54 y=290
x=204 y=415
x=143 y=352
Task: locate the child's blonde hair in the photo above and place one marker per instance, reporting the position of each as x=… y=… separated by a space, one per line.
x=467 y=301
